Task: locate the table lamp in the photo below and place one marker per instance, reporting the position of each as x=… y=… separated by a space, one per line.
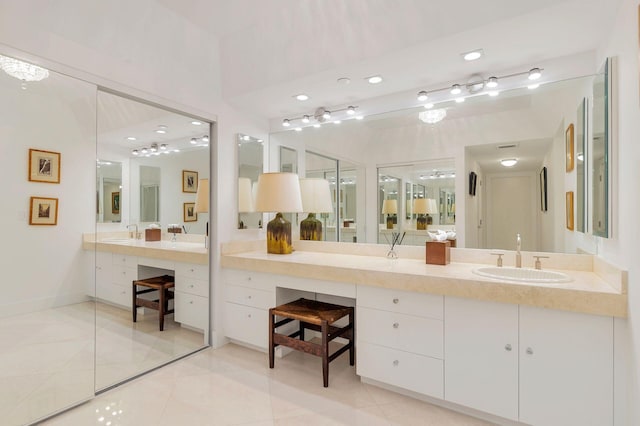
x=421 y=208
x=202 y=204
x=433 y=210
x=316 y=198
x=245 y=198
x=390 y=207
x=277 y=193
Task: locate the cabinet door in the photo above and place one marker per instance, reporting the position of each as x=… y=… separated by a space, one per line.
x=481 y=355
x=566 y=368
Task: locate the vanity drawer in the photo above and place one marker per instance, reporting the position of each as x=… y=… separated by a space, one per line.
x=115 y=294
x=250 y=297
x=123 y=275
x=192 y=270
x=417 y=373
x=248 y=279
x=246 y=324
x=192 y=285
x=412 y=303
x=124 y=260
x=191 y=310
x=409 y=333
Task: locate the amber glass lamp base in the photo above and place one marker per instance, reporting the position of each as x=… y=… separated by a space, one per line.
x=421 y=223
x=311 y=228
x=389 y=222
x=279 y=236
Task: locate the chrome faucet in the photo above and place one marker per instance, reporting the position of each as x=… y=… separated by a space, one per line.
x=135 y=235
x=518 y=255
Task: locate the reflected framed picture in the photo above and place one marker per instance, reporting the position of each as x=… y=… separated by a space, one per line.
x=569 y=208
x=189 y=181
x=43 y=211
x=543 y=189
x=568 y=138
x=115 y=202
x=189 y=212
x=44 y=166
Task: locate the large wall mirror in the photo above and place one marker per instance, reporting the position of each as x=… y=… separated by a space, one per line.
x=529 y=126
x=250 y=166
x=161 y=155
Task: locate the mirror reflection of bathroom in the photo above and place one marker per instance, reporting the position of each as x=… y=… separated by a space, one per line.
x=250 y=165
x=157 y=158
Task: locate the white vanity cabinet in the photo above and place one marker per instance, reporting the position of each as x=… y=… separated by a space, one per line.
x=534 y=365
x=399 y=339
x=248 y=298
x=114 y=274
x=191 y=294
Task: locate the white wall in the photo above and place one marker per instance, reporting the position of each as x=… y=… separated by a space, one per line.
x=622 y=249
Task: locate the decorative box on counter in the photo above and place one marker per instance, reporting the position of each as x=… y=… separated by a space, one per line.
x=438 y=252
x=154 y=234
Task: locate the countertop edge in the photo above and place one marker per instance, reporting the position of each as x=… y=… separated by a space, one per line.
x=150 y=252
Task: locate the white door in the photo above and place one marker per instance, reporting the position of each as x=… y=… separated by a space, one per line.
x=566 y=368
x=481 y=355
x=511 y=210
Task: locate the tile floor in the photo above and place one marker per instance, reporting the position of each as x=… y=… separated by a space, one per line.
x=234 y=386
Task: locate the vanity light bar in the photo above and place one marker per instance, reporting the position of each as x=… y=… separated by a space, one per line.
x=320 y=115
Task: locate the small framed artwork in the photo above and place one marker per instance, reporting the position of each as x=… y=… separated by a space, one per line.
x=568 y=138
x=115 y=202
x=189 y=181
x=189 y=212
x=43 y=211
x=44 y=166
x=543 y=189
x=570 y=210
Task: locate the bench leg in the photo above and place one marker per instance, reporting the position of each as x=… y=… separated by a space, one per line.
x=134 y=307
x=325 y=353
x=272 y=320
x=301 y=331
x=351 y=338
x=161 y=308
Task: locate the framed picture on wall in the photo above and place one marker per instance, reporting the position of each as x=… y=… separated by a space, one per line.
x=570 y=210
x=115 y=202
x=44 y=166
x=543 y=189
x=568 y=137
x=189 y=181
x=189 y=212
x=43 y=211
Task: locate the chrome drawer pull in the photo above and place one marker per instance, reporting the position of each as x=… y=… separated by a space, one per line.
x=396 y=301
x=396 y=325
x=395 y=363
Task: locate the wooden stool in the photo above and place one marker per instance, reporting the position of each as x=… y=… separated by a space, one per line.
x=161 y=285
x=316 y=316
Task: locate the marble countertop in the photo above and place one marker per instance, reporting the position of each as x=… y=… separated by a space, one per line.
x=179 y=251
x=586 y=293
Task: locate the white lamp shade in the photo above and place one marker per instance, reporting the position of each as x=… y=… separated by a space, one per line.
x=433 y=206
x=278 y=192
x=421 y=205
x=202 y=196
x=245 y=196
x=390 y=207
x=316 y=196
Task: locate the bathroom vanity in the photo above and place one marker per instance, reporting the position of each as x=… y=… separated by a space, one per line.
x=516 y=351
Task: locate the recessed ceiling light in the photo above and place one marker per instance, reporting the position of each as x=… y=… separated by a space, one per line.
x=509 y=162
x=286 y=122
x=298 y=129
x=428 y=106
x=374 y=79
x=535 y=73
x=305 y=118
x=196 y=123
x=455 y=89
x=533 y=86
x=492 y=82
x=131 y=138
x=422 y=96
x=494 y=93
x=302 y=97
x=343 y=81
x=460 y=100
x=473 y=55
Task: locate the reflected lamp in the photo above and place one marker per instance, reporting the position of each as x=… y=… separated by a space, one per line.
x=316 y=198
x=390 y=208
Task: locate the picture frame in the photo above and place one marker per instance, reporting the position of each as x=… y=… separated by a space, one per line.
x=568 y=138
x=543 y=189
x=569 y=208
x=43 y=211
x=115 y=202
x=44 y=166
x=189 y=181
x=189 y=212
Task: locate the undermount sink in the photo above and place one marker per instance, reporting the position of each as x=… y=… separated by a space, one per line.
x=522 y=274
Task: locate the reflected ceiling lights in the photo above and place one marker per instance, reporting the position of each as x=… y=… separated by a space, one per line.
x=374 y=79
x=162 y=129
x=22 y=70
x=321 y=115
x=509 y=162
x=196 y=123
x=302 y=97
x=433 y=116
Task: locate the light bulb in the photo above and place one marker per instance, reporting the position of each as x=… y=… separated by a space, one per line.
x=351 y=110
x=193 y=141
x=326 y=115
x=305 y=118
x=455 y=89
x=535 y=73
x=492 y=82
x=205 y=138
x=286 y=122
x=422 y=96
x=163 y=147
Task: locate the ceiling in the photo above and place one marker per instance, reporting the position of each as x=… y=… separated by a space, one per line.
x=271 y=50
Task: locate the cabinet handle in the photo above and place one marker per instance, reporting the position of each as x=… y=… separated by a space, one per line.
x=507 y=347
x=191 y=286
x=248 y=278
x=396 y=301
x=248 y=315
x=396 y=325
x=529 y=351
x=191 y=302
x=395 y=363
x=249 y=297
x=191 y=269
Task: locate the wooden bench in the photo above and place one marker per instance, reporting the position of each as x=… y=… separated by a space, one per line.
x=316 y=316
x=161 y=285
